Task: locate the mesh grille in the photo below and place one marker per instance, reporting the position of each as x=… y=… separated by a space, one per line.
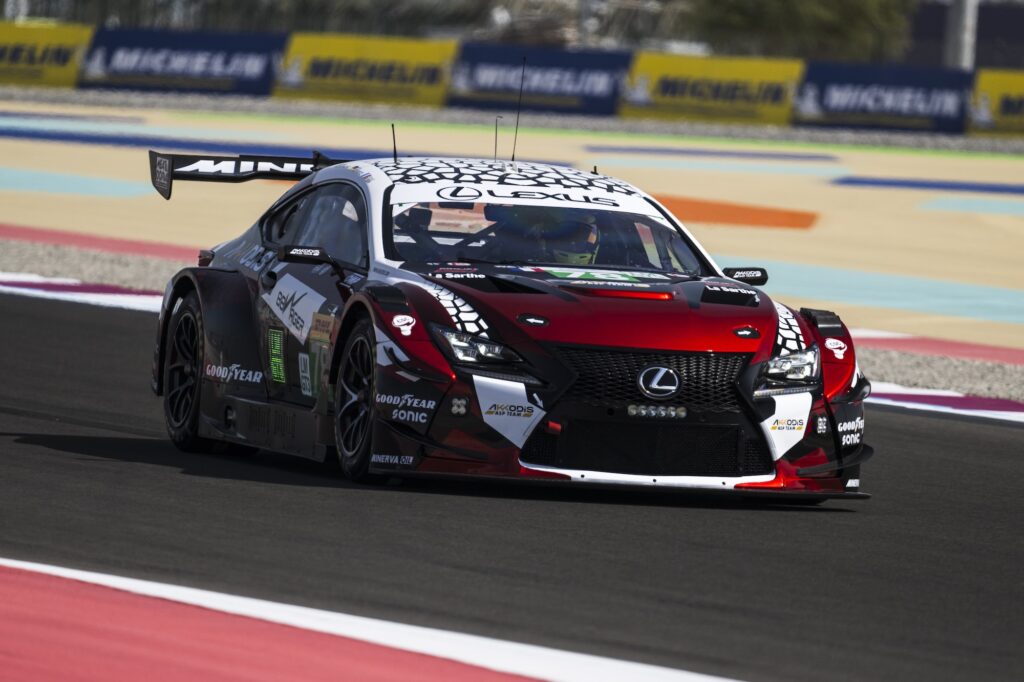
x=650 y=449
x=608 y=377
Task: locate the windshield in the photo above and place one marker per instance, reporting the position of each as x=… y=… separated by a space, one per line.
x=544 y=235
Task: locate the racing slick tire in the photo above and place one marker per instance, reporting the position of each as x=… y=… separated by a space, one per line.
x=183 y=377
x=355 y=392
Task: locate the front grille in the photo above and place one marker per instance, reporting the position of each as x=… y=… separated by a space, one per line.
x=608 y=378
x=650 y=449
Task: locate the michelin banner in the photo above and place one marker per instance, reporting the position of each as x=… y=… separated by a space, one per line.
x=366 y=69
x=582 y=82
x=42 y=54
x=998 y=105
x=894 y=97
x=139 y=59
x=720 y=89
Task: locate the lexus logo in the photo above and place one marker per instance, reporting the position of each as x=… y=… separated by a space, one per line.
x=459 y=193
x=659 y=383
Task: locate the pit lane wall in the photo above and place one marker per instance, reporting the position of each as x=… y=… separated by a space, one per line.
x=438 y=73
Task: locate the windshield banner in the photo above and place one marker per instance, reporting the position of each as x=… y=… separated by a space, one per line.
x=721 y=89
x=140 y=59
x=578 y=82
x=404 y=195
x=894 y=97
x=366 y=69
x=42 y=55
x=998 y=105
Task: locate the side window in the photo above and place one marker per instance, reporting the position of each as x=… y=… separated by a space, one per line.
x=335 y=220
x=283 y=226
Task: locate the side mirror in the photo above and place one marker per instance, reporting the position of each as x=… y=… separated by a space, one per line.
x=312 y=255
x=755 y=276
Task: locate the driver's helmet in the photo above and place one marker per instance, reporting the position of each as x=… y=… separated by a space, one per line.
x=573 y=242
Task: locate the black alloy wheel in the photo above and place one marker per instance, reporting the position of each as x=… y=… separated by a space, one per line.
x=354 y=403
x=182 y=377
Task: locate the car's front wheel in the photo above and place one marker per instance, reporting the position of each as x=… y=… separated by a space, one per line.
x=353 y=404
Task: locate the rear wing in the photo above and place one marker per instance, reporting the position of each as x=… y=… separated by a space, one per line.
x=164 y=169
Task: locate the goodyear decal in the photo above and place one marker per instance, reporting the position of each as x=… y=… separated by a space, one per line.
x=370 y=69
x=42 y=55
x=705 y=88
x=997 y=105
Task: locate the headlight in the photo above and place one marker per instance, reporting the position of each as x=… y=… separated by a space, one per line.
x=463 y=347
x=795 y=366
x=792 y=373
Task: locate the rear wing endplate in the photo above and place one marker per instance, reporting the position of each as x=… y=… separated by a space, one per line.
x=164 y=169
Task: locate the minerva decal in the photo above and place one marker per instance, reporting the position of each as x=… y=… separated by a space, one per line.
x=786 y=427
x=294 y=304
x=609 y=275
x=506 y=409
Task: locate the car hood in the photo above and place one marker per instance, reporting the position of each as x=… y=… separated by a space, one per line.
x=634 y=309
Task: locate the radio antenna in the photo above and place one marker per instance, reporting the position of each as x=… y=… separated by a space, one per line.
x=394 y=143
x=519 y=108
x=496 y=119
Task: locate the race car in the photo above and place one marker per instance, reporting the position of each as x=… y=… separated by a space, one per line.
x=488 y=318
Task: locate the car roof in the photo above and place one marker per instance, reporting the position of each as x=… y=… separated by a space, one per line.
x=526 y=174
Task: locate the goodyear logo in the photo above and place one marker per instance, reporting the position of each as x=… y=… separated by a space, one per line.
x=372 y=69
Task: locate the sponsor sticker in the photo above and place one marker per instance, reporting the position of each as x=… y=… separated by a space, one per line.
x=602 y=275
x=407 y=408
x=837 y=347
x=294 y=304
x=404 y=323
x=322 y=328
x=506 y=408
x=305 y=382
x=233 y=373
x=460 y=406
x=850 y=432
x=393 y=460
x=788 y=424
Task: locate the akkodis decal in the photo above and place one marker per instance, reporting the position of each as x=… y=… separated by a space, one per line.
x=710 y=88
x=366 y=69
x=42 y=55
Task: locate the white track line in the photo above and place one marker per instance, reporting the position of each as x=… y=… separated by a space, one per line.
x=494 y=654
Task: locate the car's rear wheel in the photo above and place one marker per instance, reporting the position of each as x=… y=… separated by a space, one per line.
x=353 y=404
x=182 y=377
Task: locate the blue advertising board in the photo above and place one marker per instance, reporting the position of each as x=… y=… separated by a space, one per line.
x=893 y=97
x=140 y=59
x=581 y=82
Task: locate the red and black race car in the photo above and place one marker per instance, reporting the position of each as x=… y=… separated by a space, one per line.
x=466 y=317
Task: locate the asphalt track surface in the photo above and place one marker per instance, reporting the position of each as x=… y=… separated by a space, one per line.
x=924 y=581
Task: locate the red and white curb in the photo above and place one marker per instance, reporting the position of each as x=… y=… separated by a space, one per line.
x=63 y=623
x=948 y=402
x=65 y=289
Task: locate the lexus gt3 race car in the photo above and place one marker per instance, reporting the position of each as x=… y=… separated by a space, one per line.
x=488 y=318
